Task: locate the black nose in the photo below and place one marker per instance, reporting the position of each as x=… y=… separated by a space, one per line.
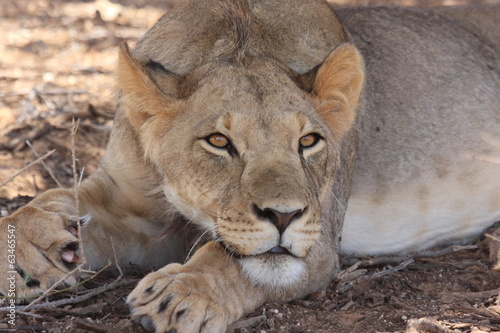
x=280 y=220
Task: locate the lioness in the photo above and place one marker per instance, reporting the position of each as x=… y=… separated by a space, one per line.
x=241 y=125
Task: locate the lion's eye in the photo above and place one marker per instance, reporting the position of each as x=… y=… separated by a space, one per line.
x=309 y=140
x=218 y=140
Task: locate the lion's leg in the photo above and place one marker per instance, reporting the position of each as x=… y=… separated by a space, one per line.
x=215 y=288
x=125 y=225
x=39 y=243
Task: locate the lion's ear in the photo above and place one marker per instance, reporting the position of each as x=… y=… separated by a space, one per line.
x=338 y=86
x=146 y=88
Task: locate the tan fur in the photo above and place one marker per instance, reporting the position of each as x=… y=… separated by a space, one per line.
x=138 y=93
x=264 y=74
x=338 y=107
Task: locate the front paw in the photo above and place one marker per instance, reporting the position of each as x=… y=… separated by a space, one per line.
x=170 y=300
x=41 y=250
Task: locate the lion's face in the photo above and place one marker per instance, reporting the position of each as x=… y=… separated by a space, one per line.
x=247 y=159
x=247 y=156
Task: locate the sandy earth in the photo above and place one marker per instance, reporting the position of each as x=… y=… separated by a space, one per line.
x=56 y=63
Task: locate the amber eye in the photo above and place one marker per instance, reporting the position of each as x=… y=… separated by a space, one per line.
x=218 y=140
x=309 y=140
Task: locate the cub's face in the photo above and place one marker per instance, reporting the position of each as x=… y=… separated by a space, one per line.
x=249 y=158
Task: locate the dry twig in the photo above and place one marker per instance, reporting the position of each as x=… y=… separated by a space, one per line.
x=29 y=314
x=397 y=259
x=78 y=268
x=247 y=323
x=352 y=275
x=444 y=251
x=388 y=271
x=490 y=236
x=116 y=260
x=96 y=327
x=49 y=291
x=76 y=184
x=74 y=300
x=26 y=167
x=44 y=165
x=48 y=93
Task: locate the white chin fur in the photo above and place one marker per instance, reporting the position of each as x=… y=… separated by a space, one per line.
x=273 y=271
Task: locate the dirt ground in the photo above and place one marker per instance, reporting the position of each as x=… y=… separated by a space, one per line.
x=56 y=63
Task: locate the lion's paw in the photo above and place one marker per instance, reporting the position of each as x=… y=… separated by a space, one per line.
x=40 y=251
x=171 y=301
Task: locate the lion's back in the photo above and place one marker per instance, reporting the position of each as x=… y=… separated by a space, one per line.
x=431 y=103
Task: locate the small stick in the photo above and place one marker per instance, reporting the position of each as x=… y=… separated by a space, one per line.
x=81 y=176
x=66 y=301
x=26 y=167
x=48 y=291
x=29 y=314
x=396 y=259
x=61 y=92
x=116 y=260
x=389 y=270
x=247 y=323
x=445 y=251
x=76 y=183
x=75 y=191
x=387 y=260
x=349 y=279
x=92 y=326
x=490 y=236
x=347 y=273
x=44 y=165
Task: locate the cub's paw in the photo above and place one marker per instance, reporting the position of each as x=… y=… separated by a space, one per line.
x=169 y=300
x=38 y=248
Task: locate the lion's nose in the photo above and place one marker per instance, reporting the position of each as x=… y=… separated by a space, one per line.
x=281 y=220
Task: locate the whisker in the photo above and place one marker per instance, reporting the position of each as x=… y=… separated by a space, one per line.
x=195 y=244
x=337 y=199
x=229 y=255
x=212 y=214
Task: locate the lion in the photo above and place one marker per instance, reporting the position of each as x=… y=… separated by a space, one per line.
x=257 y=140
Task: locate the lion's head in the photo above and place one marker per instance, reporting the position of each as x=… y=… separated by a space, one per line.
x=245 y=152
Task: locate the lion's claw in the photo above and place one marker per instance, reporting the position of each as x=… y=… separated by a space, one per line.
x=148 y=324
x=176 y=302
